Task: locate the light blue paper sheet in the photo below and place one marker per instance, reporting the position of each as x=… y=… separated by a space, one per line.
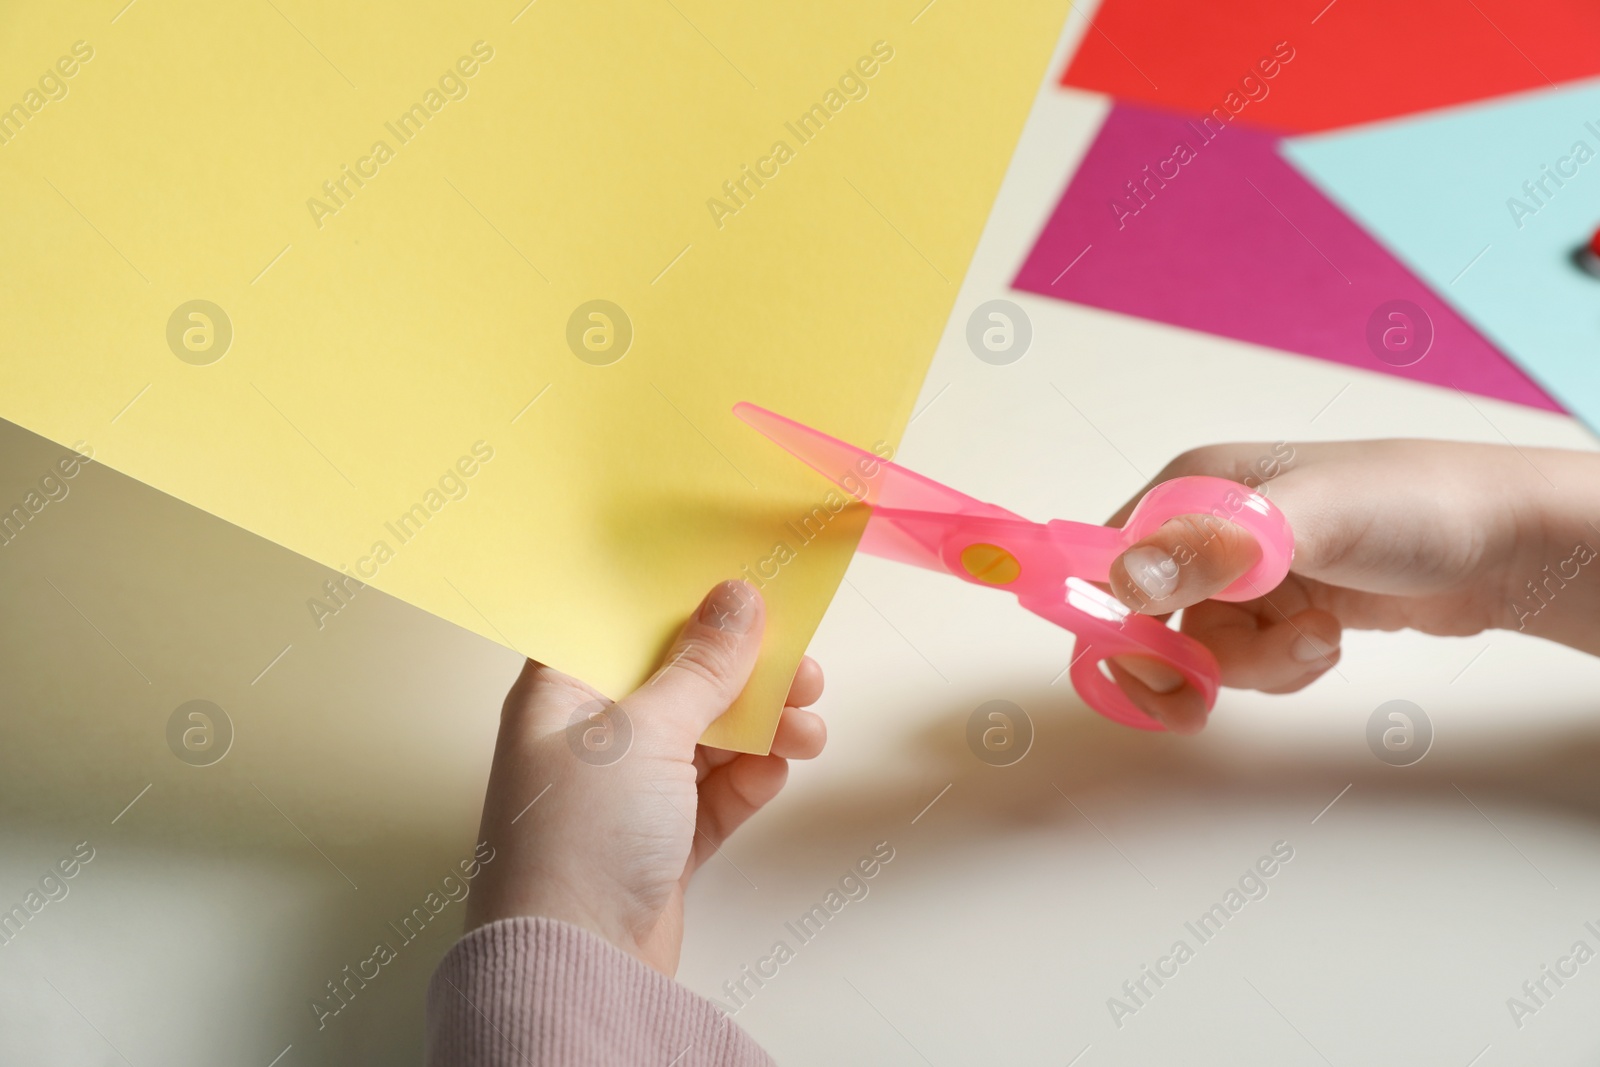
x=1489 y=204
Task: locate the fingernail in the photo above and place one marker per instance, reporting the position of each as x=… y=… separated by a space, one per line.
x=729 y=607
x=1157 y=676
x=1152 y=571
x=1310 y=650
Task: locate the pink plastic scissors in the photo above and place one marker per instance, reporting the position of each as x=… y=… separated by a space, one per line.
x=1048 y=565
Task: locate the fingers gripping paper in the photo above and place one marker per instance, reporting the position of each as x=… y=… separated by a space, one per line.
x=457 y=298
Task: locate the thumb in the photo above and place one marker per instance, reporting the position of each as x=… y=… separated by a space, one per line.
x=709 y=663
x=1186 y=560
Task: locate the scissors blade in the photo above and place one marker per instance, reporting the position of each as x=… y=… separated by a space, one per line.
x=869 y=478
x=903 y=543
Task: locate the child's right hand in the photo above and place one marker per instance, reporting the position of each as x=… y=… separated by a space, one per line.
x=1435 y=536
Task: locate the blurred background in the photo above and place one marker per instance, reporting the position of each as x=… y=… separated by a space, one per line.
x=223 y=896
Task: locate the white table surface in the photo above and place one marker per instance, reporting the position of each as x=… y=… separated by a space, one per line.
x=219 y=903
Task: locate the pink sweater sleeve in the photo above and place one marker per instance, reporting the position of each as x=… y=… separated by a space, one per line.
x=535 y=992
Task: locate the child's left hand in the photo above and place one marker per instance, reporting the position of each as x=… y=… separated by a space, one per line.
x=629 y=804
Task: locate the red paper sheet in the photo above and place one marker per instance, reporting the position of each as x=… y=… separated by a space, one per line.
x=1358 y=61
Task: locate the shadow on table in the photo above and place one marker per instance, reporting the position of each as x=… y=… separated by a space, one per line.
x=1106 y=770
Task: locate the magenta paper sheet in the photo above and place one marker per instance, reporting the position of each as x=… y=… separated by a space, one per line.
x=1210 y=229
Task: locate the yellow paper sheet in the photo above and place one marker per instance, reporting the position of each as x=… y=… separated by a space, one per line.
x=330 y=272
